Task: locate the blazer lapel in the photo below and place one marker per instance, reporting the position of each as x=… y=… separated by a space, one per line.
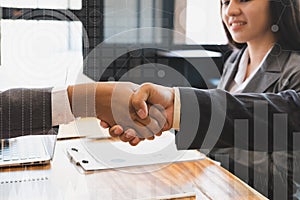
x=269 y=72
x=261 y=81
x=231 y=69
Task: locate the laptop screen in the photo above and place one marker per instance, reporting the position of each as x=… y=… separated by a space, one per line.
x=27 y=150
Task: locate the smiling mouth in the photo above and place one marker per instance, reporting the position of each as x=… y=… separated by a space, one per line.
x=237 y=24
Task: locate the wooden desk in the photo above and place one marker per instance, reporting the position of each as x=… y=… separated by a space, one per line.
x=63 y=180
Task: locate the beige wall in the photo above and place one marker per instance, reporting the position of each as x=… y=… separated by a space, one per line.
x=180 y=20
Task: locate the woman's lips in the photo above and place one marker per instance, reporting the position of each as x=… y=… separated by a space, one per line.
x=236 y=25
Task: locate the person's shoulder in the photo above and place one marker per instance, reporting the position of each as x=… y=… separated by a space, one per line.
x=295 y=54
x=294 y=58
x=292 y=64
x=233 y=56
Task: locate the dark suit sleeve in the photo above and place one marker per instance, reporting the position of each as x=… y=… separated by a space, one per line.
x=209 y=117
x=25 y=111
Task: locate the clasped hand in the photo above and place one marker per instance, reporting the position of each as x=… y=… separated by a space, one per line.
x=149 y=112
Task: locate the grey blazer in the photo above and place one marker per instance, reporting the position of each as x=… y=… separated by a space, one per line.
x=279 y=72
x=25 y=111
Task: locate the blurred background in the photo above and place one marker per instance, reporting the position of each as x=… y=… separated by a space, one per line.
x=52 y=42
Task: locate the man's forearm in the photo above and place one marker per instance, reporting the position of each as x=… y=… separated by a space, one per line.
x=91 y=100
x=107 y=101
x=209 y=117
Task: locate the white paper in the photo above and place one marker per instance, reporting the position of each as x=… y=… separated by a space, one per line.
x=108 y=155
x=85 y=127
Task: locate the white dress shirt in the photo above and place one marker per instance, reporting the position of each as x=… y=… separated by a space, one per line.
x=61 y=109
x=177 y=106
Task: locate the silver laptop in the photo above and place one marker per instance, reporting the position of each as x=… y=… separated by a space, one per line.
x=27 y=150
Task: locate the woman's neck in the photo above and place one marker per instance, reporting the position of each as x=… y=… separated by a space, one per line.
x=258 y=52
x=260 y=46
x=256 y=55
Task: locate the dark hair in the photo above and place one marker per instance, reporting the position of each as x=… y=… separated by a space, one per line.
x=284 y=14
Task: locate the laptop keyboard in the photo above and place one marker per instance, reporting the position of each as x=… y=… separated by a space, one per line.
x=14 y=149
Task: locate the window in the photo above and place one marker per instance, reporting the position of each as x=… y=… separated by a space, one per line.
x=152 y=21
x=131 y=21
x=199 y=21
x=42 y=4
x=43 y=46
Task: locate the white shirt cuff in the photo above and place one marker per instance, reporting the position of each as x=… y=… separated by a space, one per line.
x=177 y=106
x=61 y=109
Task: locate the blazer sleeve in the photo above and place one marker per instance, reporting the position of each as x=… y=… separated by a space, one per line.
x=208 y=119
x=25 y=111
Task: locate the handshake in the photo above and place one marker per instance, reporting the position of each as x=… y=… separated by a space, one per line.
x=132 y=112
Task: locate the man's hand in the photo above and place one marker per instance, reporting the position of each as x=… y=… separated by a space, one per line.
x=147 y=98
x=150 y=95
